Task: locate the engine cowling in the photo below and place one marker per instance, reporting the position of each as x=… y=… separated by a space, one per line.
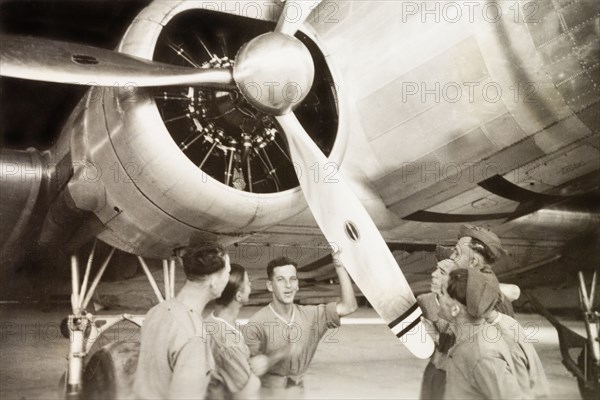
x=135 y=168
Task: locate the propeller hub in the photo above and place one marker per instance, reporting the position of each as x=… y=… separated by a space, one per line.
x=274 y=72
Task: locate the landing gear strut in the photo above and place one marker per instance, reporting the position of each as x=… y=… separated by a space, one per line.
x=587 y=367
x=85 y=328
x=589 y=359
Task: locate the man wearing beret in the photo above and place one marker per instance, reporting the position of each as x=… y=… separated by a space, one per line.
x=528 y=366
x=479 y=365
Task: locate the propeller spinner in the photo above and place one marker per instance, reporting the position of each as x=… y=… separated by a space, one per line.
x=274 y=72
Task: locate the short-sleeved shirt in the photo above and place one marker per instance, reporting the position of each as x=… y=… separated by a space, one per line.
x=231 y=356
x=481 y=367
x=267 y=331
x=528 y=367
x=175 y=359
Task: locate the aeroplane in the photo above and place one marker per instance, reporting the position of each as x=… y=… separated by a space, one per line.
x=438 y=114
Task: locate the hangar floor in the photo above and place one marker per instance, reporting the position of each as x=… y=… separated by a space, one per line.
x=361 y=360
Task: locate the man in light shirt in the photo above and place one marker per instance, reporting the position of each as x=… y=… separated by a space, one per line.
x=282 y=322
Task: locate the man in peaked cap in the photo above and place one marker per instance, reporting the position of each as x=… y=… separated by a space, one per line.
x=477 y=367
x=477 y=247
x=480 y=248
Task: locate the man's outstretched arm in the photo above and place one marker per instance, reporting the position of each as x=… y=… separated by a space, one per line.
x=347 y=305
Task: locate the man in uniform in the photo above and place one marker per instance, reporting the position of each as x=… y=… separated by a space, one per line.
x=477 y=367
x=282 y=322
x=175 y=360
x=528 y=366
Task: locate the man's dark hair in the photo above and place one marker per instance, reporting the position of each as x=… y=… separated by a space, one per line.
x=200 y=263
x=279 y=262
x=457 y=285
x=236 y=280
x=481 y=248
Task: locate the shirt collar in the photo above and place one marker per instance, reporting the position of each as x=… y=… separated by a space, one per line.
x=283 y=319
x=226 y=323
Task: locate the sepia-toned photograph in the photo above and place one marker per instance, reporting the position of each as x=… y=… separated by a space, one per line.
x=299 y=199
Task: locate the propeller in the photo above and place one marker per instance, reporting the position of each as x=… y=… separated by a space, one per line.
x=277 y=60
x=61 y=62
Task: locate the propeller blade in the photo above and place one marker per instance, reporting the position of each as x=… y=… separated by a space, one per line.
x=55 y=61
x=294 y=14
x=345 y=223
